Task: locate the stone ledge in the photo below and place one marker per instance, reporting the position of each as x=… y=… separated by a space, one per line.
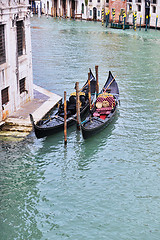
x=18 y=124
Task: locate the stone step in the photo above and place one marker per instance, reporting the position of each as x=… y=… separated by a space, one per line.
x=18 y=122
x=14 y=128
x=2 y=123
x=13 y=134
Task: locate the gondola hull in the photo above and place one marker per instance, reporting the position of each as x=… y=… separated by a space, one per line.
x=42 y=132
x=96 y=126
x=55 y=123
x=100 y=116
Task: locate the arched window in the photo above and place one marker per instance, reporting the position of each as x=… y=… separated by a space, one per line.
x=82 y=7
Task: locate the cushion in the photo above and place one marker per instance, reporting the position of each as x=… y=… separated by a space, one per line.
x=105 y=104
x=98 y=105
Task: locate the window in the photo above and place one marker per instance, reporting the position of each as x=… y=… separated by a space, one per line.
x=20 y=37
x=2 y=45
x=99 y=13
x=47 y=5
x=139 y=8
x=90 y=12
x=5 y=95
x=107 y=1
x=82 y=7
x=154 y=9
x=98 y=1
x=22 y=85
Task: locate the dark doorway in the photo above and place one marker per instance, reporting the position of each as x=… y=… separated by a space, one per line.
x=73 y=9
x=55 y=9
x=94 y=13
x=147 y=8
x=64 y=8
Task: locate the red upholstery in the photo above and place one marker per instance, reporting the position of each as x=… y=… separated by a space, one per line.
x=96 y=114
x=104 y=109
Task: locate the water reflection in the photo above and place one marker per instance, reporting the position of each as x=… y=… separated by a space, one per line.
x=91 y=146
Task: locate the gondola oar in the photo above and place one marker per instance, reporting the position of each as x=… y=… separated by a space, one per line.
x=89 y=95
x=89 y=92
x=77 y=106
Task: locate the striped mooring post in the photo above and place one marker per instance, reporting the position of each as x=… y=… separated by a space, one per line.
x=119 y=17
x=149 y=20
x=102 y=16
x=108 y=16
x=140 y=23
x=113 y=14
x=156 y=21
x=106 y=19
x=135 y=20
x=124 y=20
x=146 y=22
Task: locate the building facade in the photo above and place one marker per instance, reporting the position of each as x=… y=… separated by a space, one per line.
x=144 y=8
x=16 y=80
x=97 y=9
x=60 y=8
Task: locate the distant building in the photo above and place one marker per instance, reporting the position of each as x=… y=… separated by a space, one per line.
x=95 y=9
x=117 y=8
x=16 y=80
x=144 y=8
x=60 y=8
x=92 y=9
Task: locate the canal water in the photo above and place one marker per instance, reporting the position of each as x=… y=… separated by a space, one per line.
x=106 y=187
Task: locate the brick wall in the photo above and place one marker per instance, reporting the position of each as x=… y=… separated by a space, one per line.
x=118 y=5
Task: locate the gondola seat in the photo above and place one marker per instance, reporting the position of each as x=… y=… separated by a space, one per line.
x=104 y=105
x=100 y=110
x=96 y=114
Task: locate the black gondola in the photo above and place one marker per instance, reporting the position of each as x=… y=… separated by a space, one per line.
x=104 y=109
x=55 y=123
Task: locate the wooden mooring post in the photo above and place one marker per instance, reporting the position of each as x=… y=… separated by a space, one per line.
x=156 y=21
x=146 y=23
x=97 y=83
x=78 y=106
x=140 y=23
x=89 y=92
x=65 y=119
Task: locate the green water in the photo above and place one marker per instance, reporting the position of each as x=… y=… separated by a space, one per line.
x=106 y=187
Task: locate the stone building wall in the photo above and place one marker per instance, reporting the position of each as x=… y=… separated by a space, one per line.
x=118 y=6
x=16 y=79
x=140 y=7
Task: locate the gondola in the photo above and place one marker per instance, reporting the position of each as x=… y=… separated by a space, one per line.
x=55 y=122
x=103 y=110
